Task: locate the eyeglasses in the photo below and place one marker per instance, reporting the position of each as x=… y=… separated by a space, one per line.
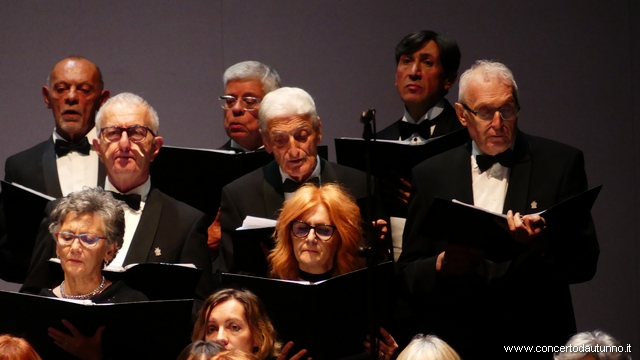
x=301 y=229
x=65 y=238
x=135 y=133
x=507 y=113
x=248 y=103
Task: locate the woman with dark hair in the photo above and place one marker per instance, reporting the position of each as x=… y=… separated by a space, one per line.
x=237 y=320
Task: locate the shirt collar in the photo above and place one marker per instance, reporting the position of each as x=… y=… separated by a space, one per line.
x=315 y=173
x=235 y=145
x=142 y=190
x=90 y=136
x=430 y=114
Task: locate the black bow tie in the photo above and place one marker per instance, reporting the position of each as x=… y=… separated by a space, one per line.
x=290 y=186
x=132 y=200
x=62 y=147
x=506 y=158
x=424 y=129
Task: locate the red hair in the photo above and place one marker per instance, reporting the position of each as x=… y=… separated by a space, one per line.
x=345 y=216
x=15 y=348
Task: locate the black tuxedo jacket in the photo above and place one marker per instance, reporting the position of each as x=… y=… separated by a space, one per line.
x=530 y=304
x=36 y=169
x=446 y=122
x=260 y=194
x=169 y=231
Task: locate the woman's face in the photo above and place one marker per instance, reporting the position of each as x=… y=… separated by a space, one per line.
x=315 y=256
x=76 y=259
x=227 y=325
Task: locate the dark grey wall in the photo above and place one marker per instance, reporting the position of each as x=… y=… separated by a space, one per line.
x=577 y=64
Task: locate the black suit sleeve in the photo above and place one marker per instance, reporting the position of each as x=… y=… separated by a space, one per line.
x=196 y=251
x=230 y=219
x=39 y=275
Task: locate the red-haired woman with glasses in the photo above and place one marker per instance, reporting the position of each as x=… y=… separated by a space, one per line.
x=318 y=235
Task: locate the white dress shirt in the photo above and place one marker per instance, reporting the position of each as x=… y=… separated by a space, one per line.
x=131 y=218
x=315 y=173
x=432 y=113
x=489 y=187
x=75 y=170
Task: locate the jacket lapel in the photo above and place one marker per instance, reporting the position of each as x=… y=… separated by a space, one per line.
x=272 y=189
x=145 y=233
x=518 y=190
x=102 y=174
x=50 y=171
x=460 y=178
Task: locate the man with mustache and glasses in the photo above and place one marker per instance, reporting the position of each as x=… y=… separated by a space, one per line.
x=65 y=162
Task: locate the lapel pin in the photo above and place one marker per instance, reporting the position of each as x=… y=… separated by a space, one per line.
x=534 y=205
x=157 y=251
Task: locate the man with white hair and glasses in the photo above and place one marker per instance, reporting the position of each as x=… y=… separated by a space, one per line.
x=475 y=304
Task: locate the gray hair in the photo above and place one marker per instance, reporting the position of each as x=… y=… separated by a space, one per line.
x=488 y=70
x=92 y=201
x=253 y=70
x=286 y=102
x=131 y=100
x=428 y=347
x=597 y=343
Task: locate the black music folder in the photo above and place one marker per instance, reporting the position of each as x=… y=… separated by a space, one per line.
x=143 y=330
x=399 y=157
x=328 y=318
x=250 y=250
x=24 y=210
x=196 y=176
x=469 y=225
x=158 y=281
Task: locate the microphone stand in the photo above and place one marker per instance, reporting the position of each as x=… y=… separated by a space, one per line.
x=368 y=119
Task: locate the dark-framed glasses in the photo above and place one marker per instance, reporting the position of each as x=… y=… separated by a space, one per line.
x=66 y=238
x=507 y=113
x=301 y=229
x=248 y=103
x=135 y=133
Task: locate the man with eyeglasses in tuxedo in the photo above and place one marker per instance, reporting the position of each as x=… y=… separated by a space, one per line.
x=158 y=228
x=475 y=304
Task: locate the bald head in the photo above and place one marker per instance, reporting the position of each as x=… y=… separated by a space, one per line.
x=74 y=93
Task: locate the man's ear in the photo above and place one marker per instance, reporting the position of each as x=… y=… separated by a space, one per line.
x=45 y=95
x=266 y=142
x=450 y=80
x=96 y=147
x=158 y=141
x=104 y=96
x=319 y=131
x=460 y=114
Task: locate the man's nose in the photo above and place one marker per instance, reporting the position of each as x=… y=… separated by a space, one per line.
x=237 y=108
x=496 y=120
x=72 y=96
x=415 y=71
x=124 y=141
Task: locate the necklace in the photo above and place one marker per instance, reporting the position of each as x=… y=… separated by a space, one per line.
x=95 y=292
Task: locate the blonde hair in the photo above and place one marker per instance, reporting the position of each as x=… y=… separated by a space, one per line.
x=345 y=216
x=15 y=348
x=261 y=327
x=428 y=347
